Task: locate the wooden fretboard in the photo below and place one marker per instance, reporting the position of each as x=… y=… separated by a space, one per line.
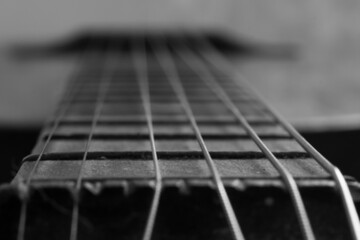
x=165 y=141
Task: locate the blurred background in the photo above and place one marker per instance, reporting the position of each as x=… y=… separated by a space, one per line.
x=318 y=91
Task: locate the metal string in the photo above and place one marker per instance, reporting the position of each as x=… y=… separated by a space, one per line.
x=221 y=63
x=55 y=125
x=168 y=65
x=204 y=73
x=140 y=60
x=100 y=99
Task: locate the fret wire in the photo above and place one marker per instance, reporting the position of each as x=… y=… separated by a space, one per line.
x=105 y=82
x=221 y=63
x=55 y=125
x=168 y=66
x=140 y=61
x=208 y=78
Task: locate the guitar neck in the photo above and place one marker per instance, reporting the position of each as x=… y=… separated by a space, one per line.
x=166 y=134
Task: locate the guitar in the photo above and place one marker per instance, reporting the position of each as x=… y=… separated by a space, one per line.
x=157 y=136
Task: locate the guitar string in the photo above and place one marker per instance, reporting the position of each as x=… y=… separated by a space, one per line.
x=140 y=60
x=166 y=62
x=56 y=122
x=105 y=83
x=203 y=72
x=221 y=63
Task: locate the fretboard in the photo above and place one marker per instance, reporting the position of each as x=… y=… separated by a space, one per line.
x=167 y=141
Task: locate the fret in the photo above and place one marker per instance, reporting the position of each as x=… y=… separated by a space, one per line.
x=161 y=122
x=171 y=155
x=229 y=138
x=126 y=168
x=167 y=129
x=169 y=145
x=168 y=118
